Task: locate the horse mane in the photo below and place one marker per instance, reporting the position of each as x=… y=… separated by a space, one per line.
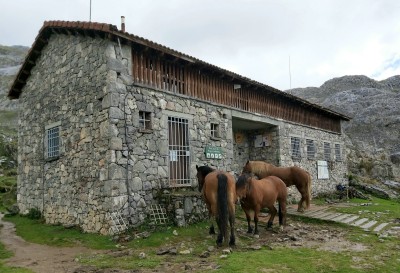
x=242 y=180
x=204 y=170
x=260 y=167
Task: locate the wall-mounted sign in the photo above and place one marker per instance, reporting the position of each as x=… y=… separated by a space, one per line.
x=239 y=137
x=213 y=152
x=323 y=171
x=261 y=141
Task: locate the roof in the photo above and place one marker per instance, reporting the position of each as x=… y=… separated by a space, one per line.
x=109 y=31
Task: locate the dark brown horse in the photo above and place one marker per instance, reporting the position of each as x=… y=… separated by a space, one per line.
x=257 y=194
x=218 y=189
x=290 y=175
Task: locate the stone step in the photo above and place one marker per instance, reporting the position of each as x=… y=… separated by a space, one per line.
x=380 y=227
x=359 y=222
x=369 y=224
x=341 y=217
x=349 y=219
x=331 y=216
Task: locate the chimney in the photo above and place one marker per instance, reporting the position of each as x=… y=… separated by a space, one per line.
x=123 y=23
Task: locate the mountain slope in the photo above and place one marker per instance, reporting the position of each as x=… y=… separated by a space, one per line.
x=374 y=131
x=11 y=59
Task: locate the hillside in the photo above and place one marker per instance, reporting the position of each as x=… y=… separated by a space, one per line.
x=373 y=133
x=11 y=59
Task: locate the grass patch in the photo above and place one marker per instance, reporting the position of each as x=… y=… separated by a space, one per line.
x=56 y=235
x=8 y=191
x=374 y=209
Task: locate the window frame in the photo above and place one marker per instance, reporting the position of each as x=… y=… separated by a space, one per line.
x=52 y=141
x=215 y=131
x=338 y=152
x=327 y=151
x=145 y=122
x=295 y=148
x=311 y=152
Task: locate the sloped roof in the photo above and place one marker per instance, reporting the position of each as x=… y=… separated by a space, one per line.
x=109 y=31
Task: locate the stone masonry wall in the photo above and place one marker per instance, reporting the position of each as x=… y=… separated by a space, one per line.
x=65 y=86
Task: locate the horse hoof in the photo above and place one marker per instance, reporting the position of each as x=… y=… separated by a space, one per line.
x=256 y=236
x=300 y=210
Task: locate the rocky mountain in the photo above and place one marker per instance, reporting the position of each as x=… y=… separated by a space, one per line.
x=373 y=133
x=11 y=59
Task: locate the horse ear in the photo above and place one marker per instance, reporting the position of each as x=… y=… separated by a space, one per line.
x=197 y=167
x=248 y=161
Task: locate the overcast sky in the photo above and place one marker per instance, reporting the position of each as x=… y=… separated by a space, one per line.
x=281 y=43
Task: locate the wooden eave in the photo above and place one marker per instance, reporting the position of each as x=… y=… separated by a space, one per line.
x=108 y=31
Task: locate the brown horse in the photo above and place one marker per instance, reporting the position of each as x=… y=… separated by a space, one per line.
x=290 y=175
x=256 y=194
x=218 y=189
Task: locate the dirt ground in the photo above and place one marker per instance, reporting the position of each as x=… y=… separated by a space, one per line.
x=46 y=259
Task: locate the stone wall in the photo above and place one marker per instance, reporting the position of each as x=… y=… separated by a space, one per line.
x=65 y=86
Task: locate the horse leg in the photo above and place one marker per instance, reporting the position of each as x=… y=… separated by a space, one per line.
x=272 y=212
x=232 y=240
x=211 y=231
x=282 y=213
x=304 y=198
x=249 y=228
x=256 y=221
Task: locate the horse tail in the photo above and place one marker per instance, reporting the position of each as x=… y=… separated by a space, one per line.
x=308 y=199
x=222 y=197
x=280 y=213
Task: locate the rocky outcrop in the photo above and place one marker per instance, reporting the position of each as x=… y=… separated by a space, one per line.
x=373 y=132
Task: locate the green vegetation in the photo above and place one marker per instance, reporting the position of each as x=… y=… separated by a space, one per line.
x=36 y=231
x=374 y=209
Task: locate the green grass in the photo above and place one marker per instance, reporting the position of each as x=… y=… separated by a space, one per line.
x=374 y=209
x=380 y=254
x=55 y=235
x=8 y=187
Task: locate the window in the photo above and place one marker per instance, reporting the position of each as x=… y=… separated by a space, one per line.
x=295 y=145
x=310 y=148
x=338 y=153
x=215 y=130
x=327 y=151
x=52 y=141
x=144 y=121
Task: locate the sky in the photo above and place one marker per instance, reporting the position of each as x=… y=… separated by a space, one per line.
x=282 y=43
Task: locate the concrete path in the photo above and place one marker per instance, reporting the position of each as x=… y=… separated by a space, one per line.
x=323 y=213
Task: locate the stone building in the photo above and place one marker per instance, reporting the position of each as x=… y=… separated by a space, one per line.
x=114 y=124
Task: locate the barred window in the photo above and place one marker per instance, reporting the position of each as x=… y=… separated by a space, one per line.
x=310 y=148
x=52 y=141
x=295 y=145
x=327 y=151
x=215 y=130
x=145 y=120
x=338 y=152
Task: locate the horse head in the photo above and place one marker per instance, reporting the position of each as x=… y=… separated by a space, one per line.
x=247 y=167
x=202 y=172
x=243 y=185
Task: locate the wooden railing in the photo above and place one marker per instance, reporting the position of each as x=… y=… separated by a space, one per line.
x=155 y=71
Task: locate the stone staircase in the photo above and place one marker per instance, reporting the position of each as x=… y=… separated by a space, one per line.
x=323 y=213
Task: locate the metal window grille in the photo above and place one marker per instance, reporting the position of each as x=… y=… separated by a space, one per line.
x=310 y=148
x=179 y=152
x=214 y=130
x=295 y=144
x=327 y=151
x=338 y=154
x=118 y=224
x=53 y=142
